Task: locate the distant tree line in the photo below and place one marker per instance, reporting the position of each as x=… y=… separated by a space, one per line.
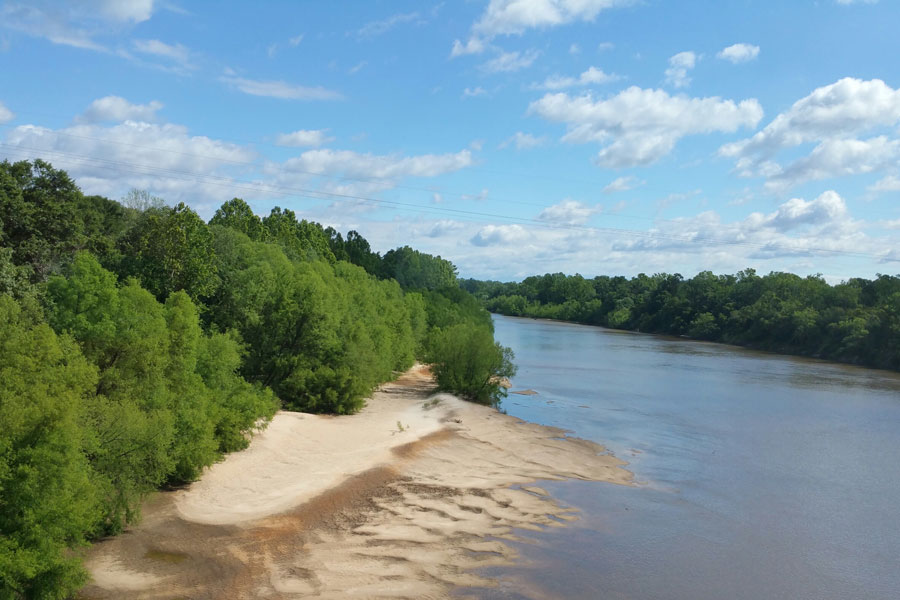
x=139 y=343
x=856 y=321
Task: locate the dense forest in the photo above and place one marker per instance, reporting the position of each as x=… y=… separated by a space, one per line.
x=139 y=343
x=856 y=321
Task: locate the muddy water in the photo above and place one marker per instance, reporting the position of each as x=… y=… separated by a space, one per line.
x=764 y=476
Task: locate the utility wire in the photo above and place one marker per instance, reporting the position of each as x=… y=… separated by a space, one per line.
x=231 y=183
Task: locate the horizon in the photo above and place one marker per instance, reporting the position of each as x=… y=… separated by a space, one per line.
x=511 y=137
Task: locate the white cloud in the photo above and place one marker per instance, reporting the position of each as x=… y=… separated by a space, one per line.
x=474 y=92
x=445 y=227
x=384 y=167
x=376 y=28
x=118 y=109
x=818 y=227
x=162 y=158
x=304 y=137
x=492 y=235
x=679 y=65
x=592 y=76
x=836 y=158
x=174 y=52
x=514 y=17
x=473 y=46
x=524 y=141
x=568 y=212
x=623 y=184
x=739 y=53
x=357 y=67
x=279 y=89
x=830 y=116
x=639 y=126
x=75 y=24
x=510 y=61
x=6 y=115
x=846 y=107
x=604 y=46
x=888 y=183
x=574 y=49
x=505 y=17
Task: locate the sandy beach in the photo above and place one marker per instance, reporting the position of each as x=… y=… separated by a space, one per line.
x=406 y=499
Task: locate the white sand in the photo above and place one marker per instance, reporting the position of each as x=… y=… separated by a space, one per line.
x=353 y=507
x=299 y=456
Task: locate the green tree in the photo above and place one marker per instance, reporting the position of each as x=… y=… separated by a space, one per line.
x=467 y=361
x=170 y=249
x=48 y=501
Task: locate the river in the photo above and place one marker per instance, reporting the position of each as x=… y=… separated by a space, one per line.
x=760 y=476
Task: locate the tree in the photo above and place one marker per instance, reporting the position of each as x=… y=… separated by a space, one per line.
x=170 y=249
x=48 y=500
x=238 y=215
x=467 y=361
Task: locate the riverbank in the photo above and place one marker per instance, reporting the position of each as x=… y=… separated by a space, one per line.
x=404 y=500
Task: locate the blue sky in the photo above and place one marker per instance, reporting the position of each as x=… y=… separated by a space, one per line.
x=512 y=137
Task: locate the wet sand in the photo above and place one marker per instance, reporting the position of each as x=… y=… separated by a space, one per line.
x=407 y=499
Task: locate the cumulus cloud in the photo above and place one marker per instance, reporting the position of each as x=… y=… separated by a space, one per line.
x=679 y=65
x=492 y=235
x=6 y=115
x=836 y=158
x=163 y=158
x=279 y=89
x=831 y=116
x=118 y=109
x=524 y=141
x=623 y=184
x=507 y=62
x=739 y=53
x=304 y=137
x=889 y=183
x=513 y=17
x=505 y=17
x=445 y=227
x=568 y=212
x=639 y=126
x=592 y=76
x=386 y=168
x=799 y=227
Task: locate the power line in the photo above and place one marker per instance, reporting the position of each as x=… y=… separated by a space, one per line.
x=231 y=183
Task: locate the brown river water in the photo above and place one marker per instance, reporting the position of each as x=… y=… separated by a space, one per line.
x=761 y=476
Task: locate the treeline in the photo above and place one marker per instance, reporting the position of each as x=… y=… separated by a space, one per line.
x=856 y=321
x=139 y=343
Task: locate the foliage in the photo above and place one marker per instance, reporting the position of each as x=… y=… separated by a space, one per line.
x=417 y=270
x=48 y=501
x=467 y=361
x=138 y=343
x=854 y=321
x=169 y=250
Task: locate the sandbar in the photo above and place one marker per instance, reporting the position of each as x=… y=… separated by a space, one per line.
x=407 y=499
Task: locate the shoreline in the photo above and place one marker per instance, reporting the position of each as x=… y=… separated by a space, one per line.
x=684 y=338
x=406 y=499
